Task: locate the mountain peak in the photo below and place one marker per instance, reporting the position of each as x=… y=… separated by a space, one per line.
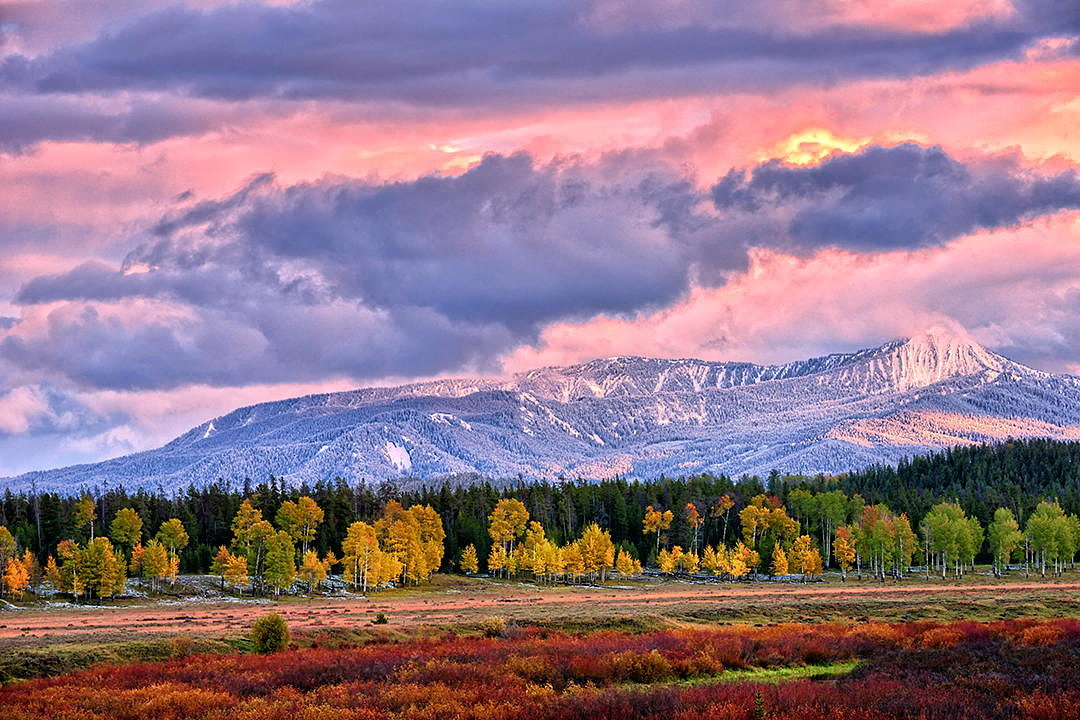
x=941 y=351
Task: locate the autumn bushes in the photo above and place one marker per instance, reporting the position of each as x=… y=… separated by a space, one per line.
x=960 y=670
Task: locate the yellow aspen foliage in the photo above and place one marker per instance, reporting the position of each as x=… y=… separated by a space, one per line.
x=779 y=561
x=694 y=520
x=737 y=566
x=33 y=569
x=597 y=551
x=16 y=577
x=173 y=535
x=86 y=513
x=361 y=556
x=813 y=564
x=496 y=560
x=506 y=523
x=220 y=561
x=711 y=559
x=655 y=521
x=844 y=550
x=668 y=560
x=313 y=571
x=52 y=573
x=126 y=527
x=469 y=562
x=573 y=563
x=235 y=572
x=689 y=562
x=748 y=556
x=625 y=564
x=800 y=554
x=300 y=520
x=280 y=562
x=155 y=562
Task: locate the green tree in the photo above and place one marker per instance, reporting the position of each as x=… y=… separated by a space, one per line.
x=300 y=520
x=86 y=513
x=280 y=562
x=126 y=528
x=1005 y=537
x=173 y=536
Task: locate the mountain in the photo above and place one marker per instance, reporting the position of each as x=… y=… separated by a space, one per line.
x=623 y=415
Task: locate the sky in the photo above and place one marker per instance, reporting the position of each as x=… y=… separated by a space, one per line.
x=208 y=204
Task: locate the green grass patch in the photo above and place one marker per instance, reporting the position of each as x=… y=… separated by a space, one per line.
x=780 y=674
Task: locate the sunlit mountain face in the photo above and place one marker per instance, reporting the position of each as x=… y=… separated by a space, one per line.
x=623 y=416
x=208 y=204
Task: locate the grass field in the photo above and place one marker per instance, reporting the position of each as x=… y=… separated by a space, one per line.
x=37 y=641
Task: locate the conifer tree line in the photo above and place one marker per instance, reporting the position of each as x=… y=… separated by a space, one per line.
x=996 y=504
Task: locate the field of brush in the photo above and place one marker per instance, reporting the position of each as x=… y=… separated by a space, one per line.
x=468 y=647
x=1002 y=669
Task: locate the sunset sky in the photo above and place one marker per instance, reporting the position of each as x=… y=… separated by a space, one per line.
x=205 y=204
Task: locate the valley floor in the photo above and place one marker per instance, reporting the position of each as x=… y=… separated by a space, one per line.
x=456 y=600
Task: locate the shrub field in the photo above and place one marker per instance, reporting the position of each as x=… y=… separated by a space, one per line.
x=1006 y=669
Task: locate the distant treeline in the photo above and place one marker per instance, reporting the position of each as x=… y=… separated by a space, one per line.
x=1016 y=475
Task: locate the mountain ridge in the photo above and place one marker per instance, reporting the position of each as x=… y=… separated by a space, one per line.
x=623 y=415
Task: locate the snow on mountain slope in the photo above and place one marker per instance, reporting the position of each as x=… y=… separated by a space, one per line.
x=624 y=415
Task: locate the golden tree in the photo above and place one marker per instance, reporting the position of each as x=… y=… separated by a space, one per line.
x=174 y=538
x=313 y=571
x=86 y=513
x=235 y=572
x=469 y=562
x=496 y=559
x=844 y=551
x=126 y=528
x=361 y=556
x=155 y=562
x=597 y=551
x=693 y=520
x=506 y=523
x=722 y=509
x=625 y=564
x=655 y=521
x=779 y=561
x=300 y=519
x=16 y=577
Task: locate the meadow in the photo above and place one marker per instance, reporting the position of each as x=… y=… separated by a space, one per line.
x=1000 y=669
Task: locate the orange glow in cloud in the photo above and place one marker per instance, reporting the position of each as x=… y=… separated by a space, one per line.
x=812 y=146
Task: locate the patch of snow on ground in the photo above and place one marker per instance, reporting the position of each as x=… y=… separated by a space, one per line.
x=398 y=456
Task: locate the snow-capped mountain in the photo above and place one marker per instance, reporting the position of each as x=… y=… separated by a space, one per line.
x=624 y=415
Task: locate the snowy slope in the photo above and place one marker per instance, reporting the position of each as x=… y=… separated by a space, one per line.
x=628 y=415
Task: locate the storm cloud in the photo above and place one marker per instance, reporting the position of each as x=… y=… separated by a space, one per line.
x=482 y=55
x=279 y=283
x=884 y=198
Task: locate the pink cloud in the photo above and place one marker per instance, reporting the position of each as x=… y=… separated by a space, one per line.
x=1006 y=287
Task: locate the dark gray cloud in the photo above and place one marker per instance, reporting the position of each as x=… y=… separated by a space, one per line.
x=482 y=54
x=505 y=242
x=28 y=120
x=407 y=278
x=883 y=198
x=442 y=274
x=382 y=57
